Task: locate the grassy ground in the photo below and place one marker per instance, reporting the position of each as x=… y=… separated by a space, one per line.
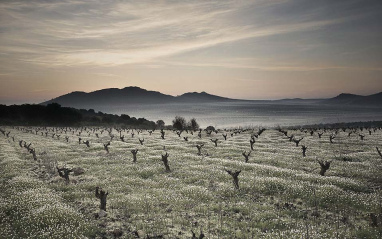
x=281 y=193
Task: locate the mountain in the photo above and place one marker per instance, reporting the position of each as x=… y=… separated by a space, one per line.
x=201 y=97
x=114 y=97
x=357 y=100
x=129 y=95
x=297 y=101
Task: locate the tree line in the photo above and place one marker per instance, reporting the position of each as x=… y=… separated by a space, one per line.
x=55 y=115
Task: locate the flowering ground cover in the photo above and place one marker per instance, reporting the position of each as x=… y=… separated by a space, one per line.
x=279 y=192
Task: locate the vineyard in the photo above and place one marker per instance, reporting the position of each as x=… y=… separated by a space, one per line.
x=97 y=182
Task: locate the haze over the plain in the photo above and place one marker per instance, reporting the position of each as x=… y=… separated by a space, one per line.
x=239 y=49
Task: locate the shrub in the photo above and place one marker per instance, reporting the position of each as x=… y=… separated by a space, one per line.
x=179 y=123
x=193 y=124
x=160 y=124
x=210 y=128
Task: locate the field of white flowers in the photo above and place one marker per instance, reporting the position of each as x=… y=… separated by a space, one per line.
x=281 y=193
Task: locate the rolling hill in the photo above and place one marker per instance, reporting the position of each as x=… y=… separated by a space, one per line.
x=130 y=95
x=357 y=100
x=114 y=97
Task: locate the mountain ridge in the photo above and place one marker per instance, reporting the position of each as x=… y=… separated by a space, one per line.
x=353 y=99
x=131 y=95
x=137 y=95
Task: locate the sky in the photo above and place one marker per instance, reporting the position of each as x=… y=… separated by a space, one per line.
x=258 y=49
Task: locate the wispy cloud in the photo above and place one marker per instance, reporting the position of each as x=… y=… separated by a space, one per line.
x=114 y=33
x=108 y=75
x=125 y=55
x=255 y=64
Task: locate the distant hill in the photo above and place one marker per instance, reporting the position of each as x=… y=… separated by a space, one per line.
x=129 y=95
x=297 y=101
x=351 y=99
x=201 y=97
x=115 y=97
x=112 y=96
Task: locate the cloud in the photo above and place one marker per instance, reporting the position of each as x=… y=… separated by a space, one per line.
x=114 y=33
x=108 y=57
x=255 y=64
x=107 y=75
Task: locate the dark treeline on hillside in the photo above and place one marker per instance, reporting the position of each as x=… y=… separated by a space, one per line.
x=55 y=115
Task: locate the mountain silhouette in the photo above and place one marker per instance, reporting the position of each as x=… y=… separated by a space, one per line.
x=114 y=97
x=356 y=100
x=201 y=97
x=129 y=95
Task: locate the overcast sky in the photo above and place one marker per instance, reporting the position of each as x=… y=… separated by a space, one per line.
x=259 y=49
